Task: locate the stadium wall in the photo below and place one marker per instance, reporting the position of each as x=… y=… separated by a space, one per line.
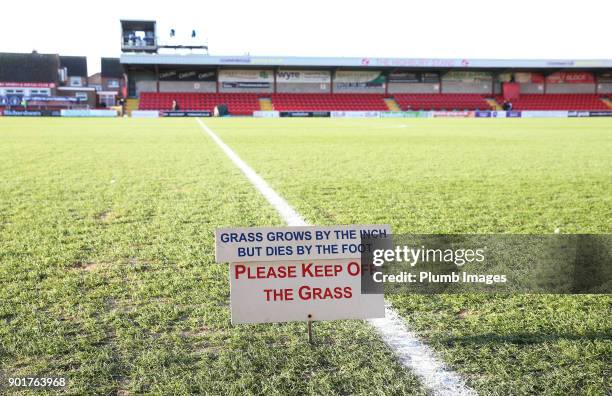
x=465 y=87
x=467 y=82
x=570 y=88
x=341 y=88
x=145 y=81
x=525 y=88
x=224 y=89
x=413 y=88
x=497 y=88
x=145 y=86
x=187 y=86
x=604 y=88
x=529 y=88
x=287 y=87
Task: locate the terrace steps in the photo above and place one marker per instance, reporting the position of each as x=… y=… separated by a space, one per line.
x=494 y=105
x=265 y=104
x=392 y=104
x=607 y=101
x=131 y=104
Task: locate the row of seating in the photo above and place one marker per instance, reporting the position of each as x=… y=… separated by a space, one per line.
x=328 y=102
x=557 y=102
x=245 y=104
x=239 y=104
x=442 y=101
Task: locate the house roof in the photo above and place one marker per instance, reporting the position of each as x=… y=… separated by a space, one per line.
x=76 y=65
x=111 y=68
x=31 y=67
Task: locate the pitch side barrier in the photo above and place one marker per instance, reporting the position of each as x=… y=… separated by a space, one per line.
x=58 y=113
x=162 y=113
x=433 y=114
x=30 y=113
x=190 y=113
x=158 y=113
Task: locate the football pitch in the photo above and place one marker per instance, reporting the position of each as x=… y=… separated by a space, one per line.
x=107 y=272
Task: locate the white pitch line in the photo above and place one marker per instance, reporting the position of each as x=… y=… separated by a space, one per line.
x=412 y=353
x=291 y=217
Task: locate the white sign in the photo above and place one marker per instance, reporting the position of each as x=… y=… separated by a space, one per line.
x=285 y=274
x=145 y=114
x=303 y=76
x=246 y=75
x=355 y=114
x=266 y=114
x=363 y=76
x=286 y=291
x=544 y=114
x=293 y=243
x=88 y=113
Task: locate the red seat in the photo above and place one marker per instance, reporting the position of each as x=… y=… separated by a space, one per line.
x=442 y=101
x=328 y=102
x=239 y=103
x=557 y=102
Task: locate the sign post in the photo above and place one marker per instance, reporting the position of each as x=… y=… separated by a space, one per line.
x=310 y=340
x=285 y=274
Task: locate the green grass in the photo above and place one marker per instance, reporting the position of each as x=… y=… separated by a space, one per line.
x=107 y=272
x=437 y=176
x=463 y=176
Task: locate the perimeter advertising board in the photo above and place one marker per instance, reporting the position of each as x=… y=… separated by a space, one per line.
x=359 y=79
x=570 y=78
x=187 y=75
x=303 y=76
x=246 y=78
x=413 y=77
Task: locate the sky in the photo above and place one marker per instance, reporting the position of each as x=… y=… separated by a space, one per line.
x=515 y=29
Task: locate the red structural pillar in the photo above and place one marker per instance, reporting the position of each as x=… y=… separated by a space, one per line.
x=387 y=84
x=511 y=90
x=157 y=79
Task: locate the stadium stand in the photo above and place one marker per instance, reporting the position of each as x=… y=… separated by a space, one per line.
x=239 y=104
x=328 y=102
x=442 y=101
x=245 y=103
x=557 y=102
